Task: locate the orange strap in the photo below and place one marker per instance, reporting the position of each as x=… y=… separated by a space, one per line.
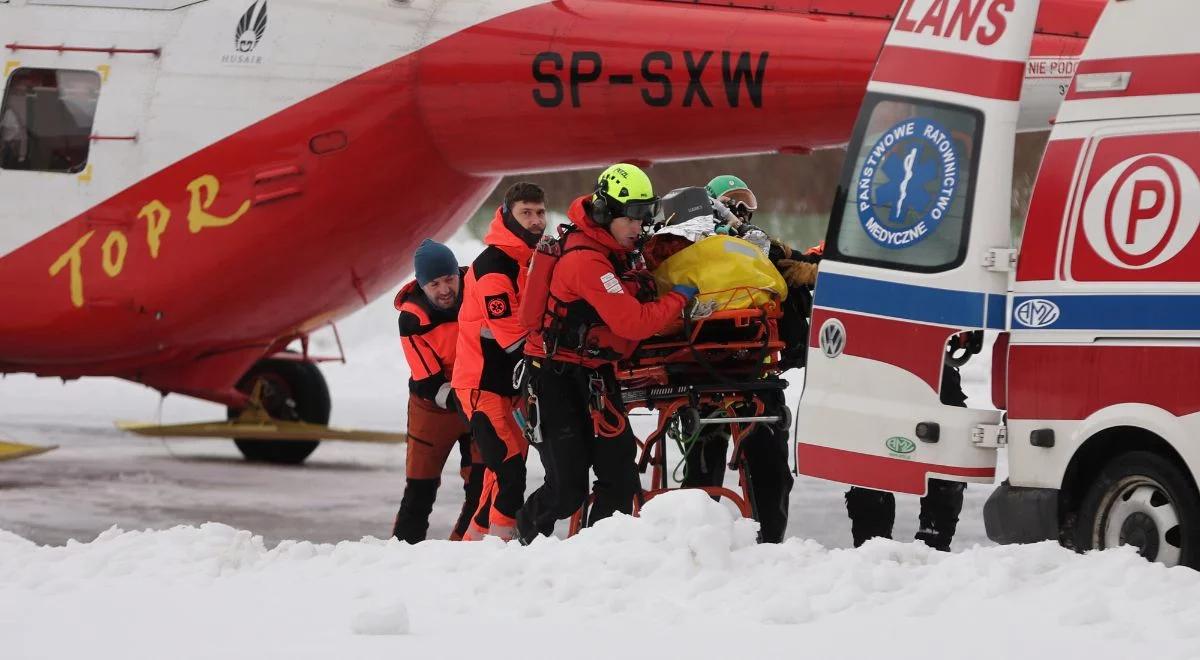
x=600 y=421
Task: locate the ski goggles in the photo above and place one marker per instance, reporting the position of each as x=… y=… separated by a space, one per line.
x=641 y=210
x=742 y=195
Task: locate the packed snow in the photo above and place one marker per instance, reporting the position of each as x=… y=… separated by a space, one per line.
x=684 y=580
x=280 y=570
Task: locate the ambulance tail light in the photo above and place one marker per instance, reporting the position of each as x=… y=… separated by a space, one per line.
x=1000 y=372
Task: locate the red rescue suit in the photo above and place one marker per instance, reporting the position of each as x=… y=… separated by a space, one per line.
x=489 y=348
x=429 y=338
x=596 y=289
x=594 y=317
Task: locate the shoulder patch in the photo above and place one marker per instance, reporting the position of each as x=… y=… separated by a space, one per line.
x=497 y=306
x=412 y=324
x=611 y=283
x=494 y=260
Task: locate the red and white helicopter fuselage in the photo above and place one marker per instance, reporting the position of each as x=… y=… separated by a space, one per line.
x=235 y=174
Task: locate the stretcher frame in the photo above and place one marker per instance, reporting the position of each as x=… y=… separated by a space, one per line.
x=683 y=371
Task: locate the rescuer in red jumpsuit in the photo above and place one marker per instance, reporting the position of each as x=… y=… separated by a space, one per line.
x=593 y=317
x=428 y=309
x=489 y=348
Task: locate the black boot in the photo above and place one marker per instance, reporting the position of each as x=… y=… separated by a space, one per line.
x=412 y=521
x=770 y=479
x=472 y=489
x=527 y=531
x=872 y=514
x=706 y=459
x=939 y=513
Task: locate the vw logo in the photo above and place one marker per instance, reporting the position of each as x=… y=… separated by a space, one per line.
x=833 y=338
x=1036 y=313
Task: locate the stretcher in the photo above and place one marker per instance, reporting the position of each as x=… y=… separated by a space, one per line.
x=712 y=367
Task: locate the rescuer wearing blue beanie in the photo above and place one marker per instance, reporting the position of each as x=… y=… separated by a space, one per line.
x=433 y=260
x=429 y=336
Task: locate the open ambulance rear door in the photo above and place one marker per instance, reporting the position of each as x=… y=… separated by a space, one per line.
x=917 y=247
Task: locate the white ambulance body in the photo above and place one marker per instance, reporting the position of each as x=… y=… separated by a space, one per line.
x=1096 y=373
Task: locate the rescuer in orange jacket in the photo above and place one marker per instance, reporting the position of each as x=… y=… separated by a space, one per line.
x=599 y=306
x=490 y=340
x=428 y=309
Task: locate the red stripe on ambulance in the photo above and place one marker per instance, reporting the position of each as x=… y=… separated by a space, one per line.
x=950 y=72
x=1051 y=194
x=880 y=472
x=905 y=344
x=1073 y=382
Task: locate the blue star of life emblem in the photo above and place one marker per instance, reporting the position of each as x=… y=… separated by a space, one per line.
x=907 y=182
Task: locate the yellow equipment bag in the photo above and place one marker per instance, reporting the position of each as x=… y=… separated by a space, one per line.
x=731 y=273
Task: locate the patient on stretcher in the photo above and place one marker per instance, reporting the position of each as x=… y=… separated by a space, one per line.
x=703 y=244
x=734 y=264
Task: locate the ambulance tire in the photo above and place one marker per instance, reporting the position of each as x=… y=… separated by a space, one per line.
x=1145 y=500
x=292 y=391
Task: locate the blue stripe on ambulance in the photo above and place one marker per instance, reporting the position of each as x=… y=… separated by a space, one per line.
x=924 y=304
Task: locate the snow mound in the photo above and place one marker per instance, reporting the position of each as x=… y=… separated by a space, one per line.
x=391 y=619
x=686 y=578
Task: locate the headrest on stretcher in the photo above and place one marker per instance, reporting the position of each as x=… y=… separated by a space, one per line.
x=729 y=272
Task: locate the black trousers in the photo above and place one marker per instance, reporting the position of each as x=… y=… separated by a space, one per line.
x=569 y=447
x=765 y=451
x=872 y=512
x=412 y=520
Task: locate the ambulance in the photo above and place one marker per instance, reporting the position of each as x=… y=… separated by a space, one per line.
x=1096 y=368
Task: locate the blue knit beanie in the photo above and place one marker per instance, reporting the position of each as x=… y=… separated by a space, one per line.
x=433 y=260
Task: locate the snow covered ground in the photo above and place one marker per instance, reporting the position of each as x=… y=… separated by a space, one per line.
x=684 y=579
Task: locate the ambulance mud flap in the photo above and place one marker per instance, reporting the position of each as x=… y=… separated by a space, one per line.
x=1021 y=515
x=924 y=201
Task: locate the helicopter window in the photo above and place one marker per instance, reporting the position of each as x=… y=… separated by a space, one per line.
x=46 y=119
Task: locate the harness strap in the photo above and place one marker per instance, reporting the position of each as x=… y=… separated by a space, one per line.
x=558 y=329
x=608 y=421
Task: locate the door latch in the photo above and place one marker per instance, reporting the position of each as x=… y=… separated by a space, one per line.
x=1000 y=260
x=990 y=436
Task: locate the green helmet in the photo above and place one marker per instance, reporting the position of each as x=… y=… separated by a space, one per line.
x=624 y=190
x=728 y=185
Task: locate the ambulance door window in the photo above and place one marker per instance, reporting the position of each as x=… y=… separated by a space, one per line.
x=906 y=191
x=46 y=119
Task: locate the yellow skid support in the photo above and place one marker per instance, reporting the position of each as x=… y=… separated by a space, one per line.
x=273 y=430
x=255 y=423
x=10 y=451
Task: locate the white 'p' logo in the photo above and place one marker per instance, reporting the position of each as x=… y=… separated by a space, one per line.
x=1143 y=211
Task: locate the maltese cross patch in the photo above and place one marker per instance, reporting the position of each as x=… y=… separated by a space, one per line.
x=497 y=306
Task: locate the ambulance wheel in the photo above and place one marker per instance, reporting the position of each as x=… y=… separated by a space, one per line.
x=292 y=391
x=1144 y=500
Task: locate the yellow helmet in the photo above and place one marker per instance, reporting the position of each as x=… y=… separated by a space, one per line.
x=624 y=190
